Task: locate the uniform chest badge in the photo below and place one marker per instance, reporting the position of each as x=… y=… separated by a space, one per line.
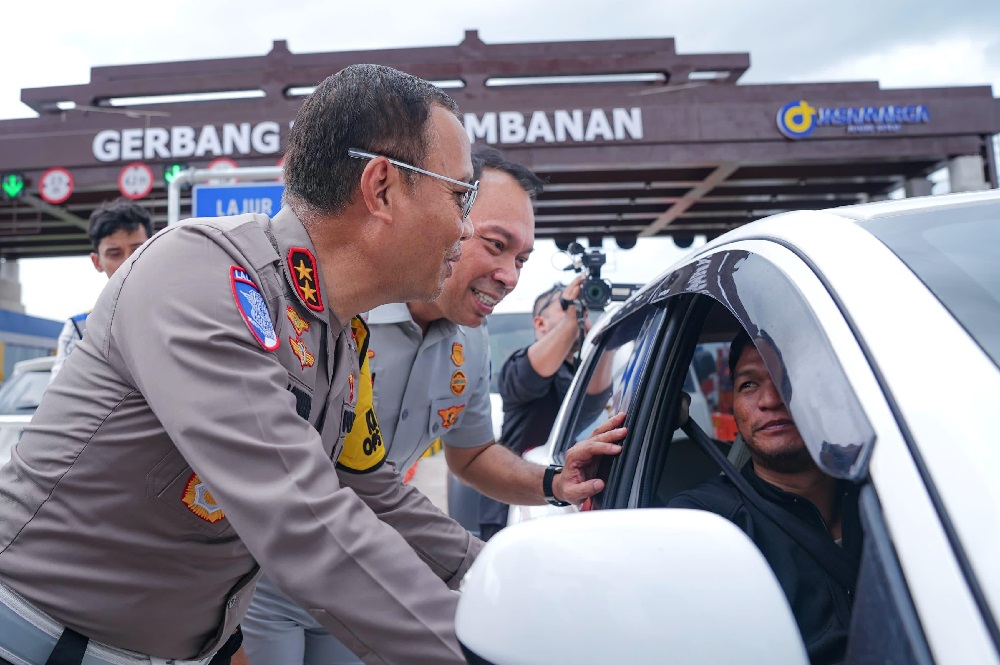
x=449 y=416
x=350 y=385
x=458 y=382
x=200 y=501
x=302 y=267
x=457 y=354
x=306 y=359
x=298 y=323
x=253 y=308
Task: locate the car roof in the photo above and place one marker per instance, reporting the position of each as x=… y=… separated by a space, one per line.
x=40 y=364
x=895 y=207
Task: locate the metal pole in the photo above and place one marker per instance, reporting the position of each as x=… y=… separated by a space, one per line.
x=193 y=176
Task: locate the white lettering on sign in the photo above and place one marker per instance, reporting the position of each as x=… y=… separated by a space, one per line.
x=240 y=206
x=113 y=145
x=556 y=127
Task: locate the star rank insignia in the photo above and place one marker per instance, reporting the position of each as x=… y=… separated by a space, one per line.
x=302 y=268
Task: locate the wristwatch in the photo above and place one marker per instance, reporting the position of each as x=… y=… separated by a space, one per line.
x=564 y=303
x=550 y=498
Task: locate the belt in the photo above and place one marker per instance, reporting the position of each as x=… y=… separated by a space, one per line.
x=28 y=636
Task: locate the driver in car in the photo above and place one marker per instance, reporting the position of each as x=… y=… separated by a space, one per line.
x=784 y=474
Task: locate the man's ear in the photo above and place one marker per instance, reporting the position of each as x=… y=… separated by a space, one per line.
x=539 y=324
x=96 y=260
x=376 y=181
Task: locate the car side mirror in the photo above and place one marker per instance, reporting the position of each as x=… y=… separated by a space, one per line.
x=637 y=586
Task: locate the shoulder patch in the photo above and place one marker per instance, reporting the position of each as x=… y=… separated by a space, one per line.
x=252 y=308
x=302 y=268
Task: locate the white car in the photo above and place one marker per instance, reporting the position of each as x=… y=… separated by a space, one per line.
x=885 y=321
x=19 y=397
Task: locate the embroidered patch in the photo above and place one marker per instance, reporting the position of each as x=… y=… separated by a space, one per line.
x=200 y=501
x=458 y=382
x=252 y=308
x=457 y=355
x=371 y=353
x=350 y=385
x=306 y=359
x=298 y=323
x=302 y=266
x=450 y=415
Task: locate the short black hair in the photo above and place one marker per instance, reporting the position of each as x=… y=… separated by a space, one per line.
x=736 y=350
x=486 y=157
x=545 y=299
x=368 y=107
x=113 y=216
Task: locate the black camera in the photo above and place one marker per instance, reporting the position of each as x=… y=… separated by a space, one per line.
x=595 y=292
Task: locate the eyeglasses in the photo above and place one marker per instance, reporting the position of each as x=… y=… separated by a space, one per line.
x=467 y=199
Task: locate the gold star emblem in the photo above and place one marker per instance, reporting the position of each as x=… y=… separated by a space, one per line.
x=304 y=272
x=308 y=293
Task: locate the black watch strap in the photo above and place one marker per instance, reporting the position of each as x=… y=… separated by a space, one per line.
x=565 y=305
x=550 y=498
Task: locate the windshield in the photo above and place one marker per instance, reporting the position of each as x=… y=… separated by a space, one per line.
x=23 y=392
x=954 y=253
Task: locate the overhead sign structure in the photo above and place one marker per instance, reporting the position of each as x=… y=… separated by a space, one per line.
x=135 y=181
x=237 y=199
x=222 y=165
x=12 y=185
x=55 y=185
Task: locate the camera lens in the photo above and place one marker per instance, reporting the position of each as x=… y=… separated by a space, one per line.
x=596 y=293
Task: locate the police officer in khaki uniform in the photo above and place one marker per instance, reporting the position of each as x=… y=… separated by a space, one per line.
x=430 y=365
x=198 y=434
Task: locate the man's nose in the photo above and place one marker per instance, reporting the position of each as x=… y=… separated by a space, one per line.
x=467 y=229
x=769 y=397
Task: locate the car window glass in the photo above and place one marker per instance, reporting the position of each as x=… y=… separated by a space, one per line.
x=795 y=348
x=614 y=373
x=954 y=253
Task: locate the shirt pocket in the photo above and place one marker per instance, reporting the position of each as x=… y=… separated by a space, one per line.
x=184 y=498
x=446 y=415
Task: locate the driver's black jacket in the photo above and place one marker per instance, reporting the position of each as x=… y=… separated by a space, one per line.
x=822 y=607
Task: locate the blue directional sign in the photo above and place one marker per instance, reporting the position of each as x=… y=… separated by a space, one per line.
x=236 y=199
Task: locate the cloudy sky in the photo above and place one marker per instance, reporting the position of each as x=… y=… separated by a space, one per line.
x=900 y=43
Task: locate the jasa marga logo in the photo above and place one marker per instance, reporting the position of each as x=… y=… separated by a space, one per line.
x=798 y=119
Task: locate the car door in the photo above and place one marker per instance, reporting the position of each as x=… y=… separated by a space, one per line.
x=836 y=399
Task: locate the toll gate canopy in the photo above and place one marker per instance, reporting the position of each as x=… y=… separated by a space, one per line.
x=632 y=138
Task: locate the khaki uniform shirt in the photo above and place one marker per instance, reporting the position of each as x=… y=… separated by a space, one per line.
x=192 y=435
x=428 y=386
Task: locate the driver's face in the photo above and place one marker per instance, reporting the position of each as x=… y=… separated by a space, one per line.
x=762 y=417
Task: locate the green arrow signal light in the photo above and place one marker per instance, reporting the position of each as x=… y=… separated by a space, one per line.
x=12 y=185
x=171 y=171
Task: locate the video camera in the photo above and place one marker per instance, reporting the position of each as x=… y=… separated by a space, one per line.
x=595 y=292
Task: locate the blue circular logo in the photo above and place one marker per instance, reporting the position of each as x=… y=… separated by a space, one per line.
x=796 y=120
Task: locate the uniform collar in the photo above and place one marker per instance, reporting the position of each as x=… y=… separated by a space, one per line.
x=299 y=264
x=398 y=312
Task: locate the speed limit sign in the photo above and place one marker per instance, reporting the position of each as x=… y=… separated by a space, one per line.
x=55 y=186
x=135 y=181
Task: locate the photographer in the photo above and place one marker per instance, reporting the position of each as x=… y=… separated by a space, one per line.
x=534 y=381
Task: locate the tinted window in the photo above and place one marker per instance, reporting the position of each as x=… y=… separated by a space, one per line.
x=614 y=374
x=954 y=253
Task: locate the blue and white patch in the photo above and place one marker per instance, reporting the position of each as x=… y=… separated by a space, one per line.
x=252 y=308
